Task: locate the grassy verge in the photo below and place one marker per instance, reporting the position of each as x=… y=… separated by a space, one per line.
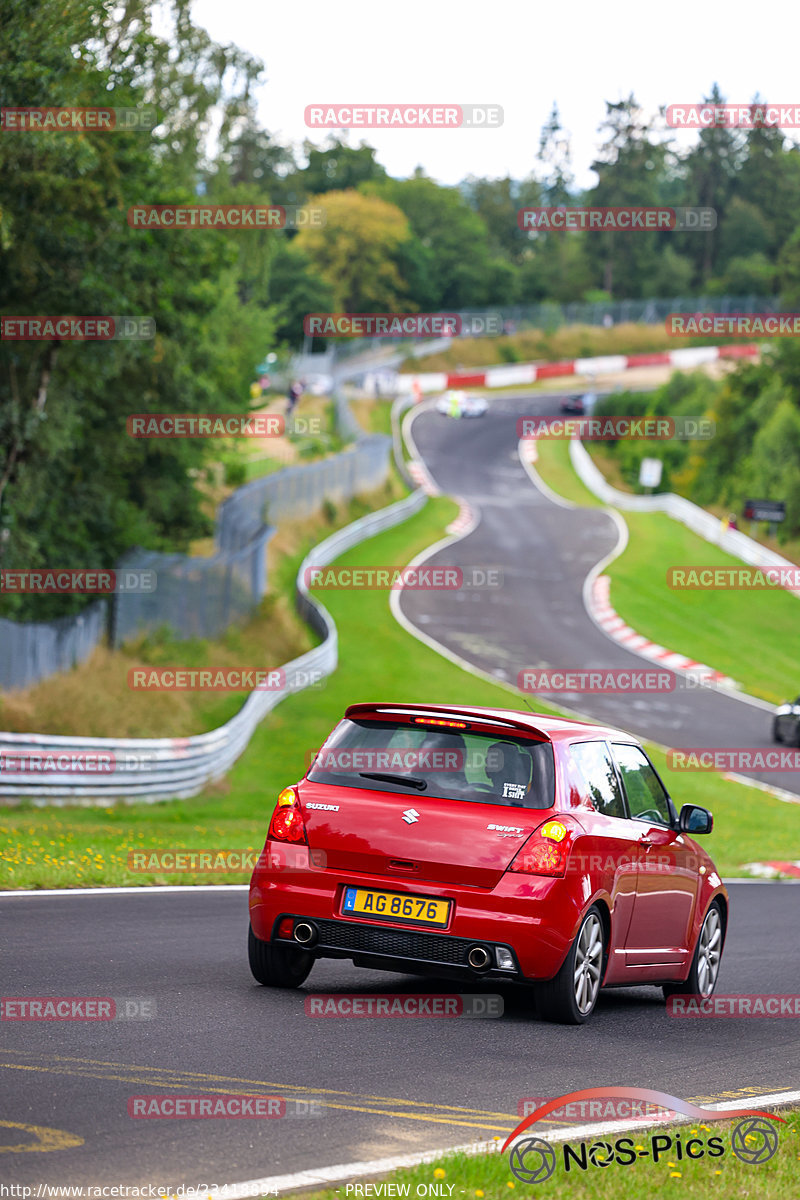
x=94 y=699
x=488 y=1176
x=744 y=634
x=573 y=341
x=378 y=661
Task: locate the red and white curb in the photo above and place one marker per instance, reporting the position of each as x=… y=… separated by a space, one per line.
x=419 y=473
x=466 y=520
x=772 y=870
x=612 y=624
x=522 y=373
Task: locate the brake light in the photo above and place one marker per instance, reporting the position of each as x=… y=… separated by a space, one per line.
x=546 y=851
x=437 y=721
x=287 y=824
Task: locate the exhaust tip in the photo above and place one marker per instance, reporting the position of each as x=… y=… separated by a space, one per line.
x=305 y=933
x=479 y=958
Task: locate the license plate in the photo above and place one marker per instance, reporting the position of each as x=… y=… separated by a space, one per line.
x=364 y=902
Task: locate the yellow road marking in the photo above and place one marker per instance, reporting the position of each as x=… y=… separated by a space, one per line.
x=161 y=1078
x=338 y=1099
x=47 y=1139
x=170 y=1077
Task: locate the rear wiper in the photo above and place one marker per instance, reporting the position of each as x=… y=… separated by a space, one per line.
x=405 y=780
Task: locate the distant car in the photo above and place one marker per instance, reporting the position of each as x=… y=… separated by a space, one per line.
x=459 y=404
x=786 y=723
x=480 y=843
x=573 y=405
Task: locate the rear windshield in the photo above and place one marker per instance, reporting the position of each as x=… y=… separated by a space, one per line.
x=459 y=765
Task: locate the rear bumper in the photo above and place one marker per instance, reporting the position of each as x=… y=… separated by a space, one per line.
x=391 y=949
x=535 y=918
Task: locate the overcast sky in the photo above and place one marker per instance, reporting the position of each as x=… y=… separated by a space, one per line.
x=521 y=54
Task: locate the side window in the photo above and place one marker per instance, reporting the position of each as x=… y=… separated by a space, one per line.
x=647 y=799
x=596 y=767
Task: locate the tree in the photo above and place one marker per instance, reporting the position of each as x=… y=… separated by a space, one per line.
x=710 y=171
x=338 y=167
x=356 y=252
x=631 y=171
x=66 y=248
x=455 y=239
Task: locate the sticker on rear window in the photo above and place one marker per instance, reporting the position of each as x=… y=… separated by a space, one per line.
x=513 y=791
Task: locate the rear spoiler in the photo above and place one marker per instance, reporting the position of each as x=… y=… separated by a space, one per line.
x=474 y=718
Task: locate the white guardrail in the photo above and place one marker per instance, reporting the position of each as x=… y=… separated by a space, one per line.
x=150 y=769
x=695 y=518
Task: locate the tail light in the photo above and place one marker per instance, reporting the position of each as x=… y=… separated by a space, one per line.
x=287 y=824
x=546 y=851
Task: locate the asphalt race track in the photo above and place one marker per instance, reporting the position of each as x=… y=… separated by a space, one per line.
x=386 y=1086
x=537 y=617
x=380 y=1087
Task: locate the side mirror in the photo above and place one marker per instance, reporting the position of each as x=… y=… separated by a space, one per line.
x=694 y=819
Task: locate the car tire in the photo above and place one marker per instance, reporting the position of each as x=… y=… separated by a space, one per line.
x=277 y=966
x=570 y=997
x=696 y=983
x=776 y=733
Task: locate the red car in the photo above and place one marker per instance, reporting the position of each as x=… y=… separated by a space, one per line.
x=485 y=843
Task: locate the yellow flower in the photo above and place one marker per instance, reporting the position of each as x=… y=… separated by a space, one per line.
x=511 y=1183
x=478 y=1192
x=720 y=1172
x=670 y=1164
x=675 y=1175
x=439 y=1173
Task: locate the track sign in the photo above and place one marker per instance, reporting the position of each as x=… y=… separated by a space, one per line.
x=764 y=510
x=650 y=470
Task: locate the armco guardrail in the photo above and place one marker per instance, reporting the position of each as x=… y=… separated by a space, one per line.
x=695 y=518
x=149 y=769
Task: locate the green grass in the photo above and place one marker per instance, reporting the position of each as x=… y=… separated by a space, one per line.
x=488 y=1176
x=378 y=661
x=751 y=636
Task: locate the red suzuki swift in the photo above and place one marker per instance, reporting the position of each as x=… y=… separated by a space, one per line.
x=479 y=842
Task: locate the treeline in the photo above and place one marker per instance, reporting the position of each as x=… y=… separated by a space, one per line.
x=755 y=449
x=74 y=489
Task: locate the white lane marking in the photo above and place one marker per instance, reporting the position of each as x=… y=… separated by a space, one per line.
x=326 y=1176
x=131 y=891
